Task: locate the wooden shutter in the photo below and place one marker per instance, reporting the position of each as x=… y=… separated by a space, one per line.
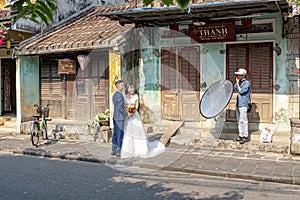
x=261 y=67
x=189 y=93
x=236 y=57
x=189 y=68
x=92 y=86
x=51 y=88
x=100 y=77
x=257 y=59
x=261 y=76
x=169 y=76
x=169 y=72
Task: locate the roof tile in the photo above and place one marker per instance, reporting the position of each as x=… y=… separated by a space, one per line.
x=86 y=33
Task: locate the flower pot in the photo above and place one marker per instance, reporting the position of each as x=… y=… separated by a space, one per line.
x=104 y=122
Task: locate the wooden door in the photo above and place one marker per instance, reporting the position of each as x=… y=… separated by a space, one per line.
x=169 y=83
x=8 y=85
x=180 y=83
x=189 y=88
x=92 y=87
x=51 y=87
x=78 y=96
x=100 y=77
x=257 y=58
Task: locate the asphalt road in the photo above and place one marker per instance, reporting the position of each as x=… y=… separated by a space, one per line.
x=26 y=177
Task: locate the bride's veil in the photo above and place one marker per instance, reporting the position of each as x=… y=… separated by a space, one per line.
x=124 y=93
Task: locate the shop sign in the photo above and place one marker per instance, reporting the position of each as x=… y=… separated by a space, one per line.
x=255 y=26
x=174 y=31
x=66 y=66
x=213 y=32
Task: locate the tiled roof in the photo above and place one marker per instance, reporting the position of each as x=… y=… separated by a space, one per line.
x=86 y=32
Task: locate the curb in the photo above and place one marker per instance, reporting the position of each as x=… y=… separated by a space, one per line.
x=266 y=178
x=56 y=155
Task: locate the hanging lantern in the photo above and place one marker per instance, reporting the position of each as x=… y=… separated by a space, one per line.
x=83 y=61
x=246 y=23
x=8 y=44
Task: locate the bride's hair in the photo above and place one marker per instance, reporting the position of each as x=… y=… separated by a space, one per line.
x=127 y=87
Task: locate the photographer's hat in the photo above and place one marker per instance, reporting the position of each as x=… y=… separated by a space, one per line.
x=241 y=71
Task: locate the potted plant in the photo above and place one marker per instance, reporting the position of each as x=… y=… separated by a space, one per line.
x=91 y=123
x=103 y=118
x=92 y=127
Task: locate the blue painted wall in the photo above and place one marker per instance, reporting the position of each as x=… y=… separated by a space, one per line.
x=29 y=84
x=213 y=64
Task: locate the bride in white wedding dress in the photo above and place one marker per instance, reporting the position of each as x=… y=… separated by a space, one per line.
x=135 y=141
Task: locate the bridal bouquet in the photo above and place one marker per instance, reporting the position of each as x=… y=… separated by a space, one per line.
x=131 y=108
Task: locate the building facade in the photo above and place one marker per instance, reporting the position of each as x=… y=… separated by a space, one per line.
x=181 y=56
x=173 y=57
x=70 y=67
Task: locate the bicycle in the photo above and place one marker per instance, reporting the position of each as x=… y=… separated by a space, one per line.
x=39 y=127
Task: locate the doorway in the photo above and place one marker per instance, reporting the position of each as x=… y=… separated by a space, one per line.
x=180 y=83
x=257 y=58
x=8 y=89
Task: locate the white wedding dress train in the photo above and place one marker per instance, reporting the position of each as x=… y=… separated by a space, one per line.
x=135 y=141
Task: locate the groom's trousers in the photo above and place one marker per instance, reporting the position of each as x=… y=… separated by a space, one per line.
x=117 y=138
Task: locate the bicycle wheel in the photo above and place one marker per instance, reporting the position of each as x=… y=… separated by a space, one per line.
x=35 y=134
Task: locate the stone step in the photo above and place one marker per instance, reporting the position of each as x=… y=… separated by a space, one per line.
x=282 y=136
x=185 y=136
x=191 y=124
x=251 y=146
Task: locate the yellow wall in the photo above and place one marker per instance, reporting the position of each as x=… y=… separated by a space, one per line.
x=114 y=74
x=114 y=69
x=2 y=4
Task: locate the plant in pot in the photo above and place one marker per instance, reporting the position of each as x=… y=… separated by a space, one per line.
x=103 y=118
x=92 y=127
x=91 y=123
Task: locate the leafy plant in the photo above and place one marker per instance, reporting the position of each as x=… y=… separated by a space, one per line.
x=182 y=3
x=91 y=123
x=297 y=2
x=104 y=115
x=94 y=123
x=33 y=9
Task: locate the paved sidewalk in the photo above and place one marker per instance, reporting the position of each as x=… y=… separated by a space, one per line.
x=225 y=163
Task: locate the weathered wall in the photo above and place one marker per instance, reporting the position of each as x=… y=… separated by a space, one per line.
x=29 y=84
x=281 y=70
x=148 y=75
x=213 y=67
x=64 y=9
x=294 y=65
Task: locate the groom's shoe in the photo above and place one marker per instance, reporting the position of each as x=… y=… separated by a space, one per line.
x=113 y=153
